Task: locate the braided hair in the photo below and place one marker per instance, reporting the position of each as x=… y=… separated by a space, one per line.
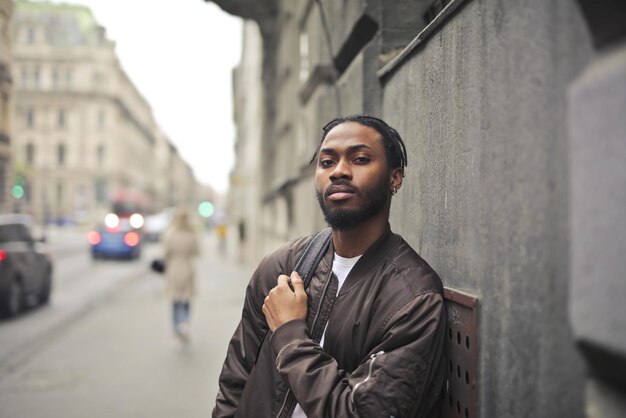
x=395 y=150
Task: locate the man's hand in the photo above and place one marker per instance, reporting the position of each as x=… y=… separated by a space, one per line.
x=282 y=304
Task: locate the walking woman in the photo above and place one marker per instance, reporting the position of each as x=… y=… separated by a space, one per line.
x=181 y=248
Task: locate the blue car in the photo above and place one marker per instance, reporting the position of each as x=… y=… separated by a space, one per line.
x=115 y=238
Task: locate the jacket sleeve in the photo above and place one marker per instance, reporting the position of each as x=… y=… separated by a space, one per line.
x=398 y=377
x=242 y=349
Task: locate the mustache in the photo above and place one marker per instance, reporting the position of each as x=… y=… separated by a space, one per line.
x=340 y=186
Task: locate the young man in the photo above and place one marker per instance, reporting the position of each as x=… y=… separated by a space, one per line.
x=365 y=339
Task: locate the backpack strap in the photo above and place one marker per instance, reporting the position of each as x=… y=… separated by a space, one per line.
x=312 y=255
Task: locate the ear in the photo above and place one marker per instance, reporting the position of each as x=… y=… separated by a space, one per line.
x=397 y=174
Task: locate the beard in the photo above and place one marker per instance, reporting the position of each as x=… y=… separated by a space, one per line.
x=349 y=218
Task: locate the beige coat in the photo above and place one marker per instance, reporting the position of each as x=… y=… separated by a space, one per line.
x=181 y=248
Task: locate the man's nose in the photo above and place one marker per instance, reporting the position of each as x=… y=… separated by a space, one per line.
x=341 y=170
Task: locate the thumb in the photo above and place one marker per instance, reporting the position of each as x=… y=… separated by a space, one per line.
x=298 y=284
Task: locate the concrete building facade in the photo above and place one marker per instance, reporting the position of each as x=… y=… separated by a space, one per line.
x=82 y=130
x=482 y=93
x=244 y=192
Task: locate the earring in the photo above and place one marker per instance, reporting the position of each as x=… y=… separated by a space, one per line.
x=394 y=190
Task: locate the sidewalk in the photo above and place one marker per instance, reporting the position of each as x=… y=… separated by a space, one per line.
x=122 y=360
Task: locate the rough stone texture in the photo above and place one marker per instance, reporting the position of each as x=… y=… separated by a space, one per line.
x=482 y=109
x=598 y=214
x=401 y=23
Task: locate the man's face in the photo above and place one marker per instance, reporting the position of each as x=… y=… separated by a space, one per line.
x=352 y=177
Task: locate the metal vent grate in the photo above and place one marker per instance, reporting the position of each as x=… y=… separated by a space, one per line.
x=461 y=387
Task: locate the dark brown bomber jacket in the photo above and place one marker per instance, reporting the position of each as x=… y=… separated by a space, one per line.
x=383 y=350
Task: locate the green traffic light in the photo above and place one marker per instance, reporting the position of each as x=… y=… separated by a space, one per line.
x=206 y=209
x=17 y=192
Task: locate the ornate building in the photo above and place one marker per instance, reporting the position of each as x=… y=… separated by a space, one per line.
x=82 y=131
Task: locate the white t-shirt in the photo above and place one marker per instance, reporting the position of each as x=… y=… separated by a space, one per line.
x=341 y=268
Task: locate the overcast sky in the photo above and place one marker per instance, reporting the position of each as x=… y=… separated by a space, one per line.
x=180 y=55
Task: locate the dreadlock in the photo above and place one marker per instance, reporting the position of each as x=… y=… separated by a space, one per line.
x=394 y=146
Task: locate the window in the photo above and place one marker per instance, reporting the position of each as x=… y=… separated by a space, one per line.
x=102 y=36
x=61 y=154
x=30 y=36
x=24 y=79
x=68 y=79
x=30 y=118
x=59 y=194
x=27 y=191
x=100 y=155
x=55 y=79
x=101 y=119
x=36 y=78
x=99 y=81
x=304 y=55
x=100 y=187
x=30 y=154
x=61 y=118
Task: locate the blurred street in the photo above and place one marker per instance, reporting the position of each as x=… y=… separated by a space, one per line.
x=104 y=347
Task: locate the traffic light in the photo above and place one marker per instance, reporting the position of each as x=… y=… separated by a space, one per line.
x=18 y=187
x=206 y=209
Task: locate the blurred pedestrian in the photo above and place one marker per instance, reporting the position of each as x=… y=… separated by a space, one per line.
x=221 y=235
x=181 y=248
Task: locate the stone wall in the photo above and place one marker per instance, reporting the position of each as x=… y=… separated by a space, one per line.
x=482 y=107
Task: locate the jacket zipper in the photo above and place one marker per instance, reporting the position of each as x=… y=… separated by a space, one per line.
x=319 y=305
x=369 y=374
x=284 y=403
x=317 y=314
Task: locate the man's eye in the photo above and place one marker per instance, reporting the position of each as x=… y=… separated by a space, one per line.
x=326 y=163
x=361 y=160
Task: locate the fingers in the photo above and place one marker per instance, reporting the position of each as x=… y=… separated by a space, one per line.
x=269 y=317
x=284 y=303
x=265 y=308
x=283 y=281
x=298 y=284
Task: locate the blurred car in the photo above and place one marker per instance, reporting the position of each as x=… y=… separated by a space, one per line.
x=25 y=266
x=116 y=238
x=156 y=224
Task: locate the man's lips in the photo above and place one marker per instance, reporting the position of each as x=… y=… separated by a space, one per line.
x=340 y=192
